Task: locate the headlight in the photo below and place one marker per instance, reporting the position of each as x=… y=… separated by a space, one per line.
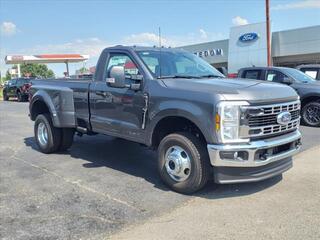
x=228 y=121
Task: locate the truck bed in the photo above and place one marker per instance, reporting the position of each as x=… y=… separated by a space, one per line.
x=77 y=88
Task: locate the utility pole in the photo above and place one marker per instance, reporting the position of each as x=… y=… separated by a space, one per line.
x=268 y=33
x=18 y=70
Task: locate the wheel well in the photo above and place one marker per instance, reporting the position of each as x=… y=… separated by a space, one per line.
x=38 y=107
x=170 y=125
x=310 y=99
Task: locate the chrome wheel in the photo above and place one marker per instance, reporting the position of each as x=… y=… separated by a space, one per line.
x=177 y=163
x=42 y=134
x=312 y=114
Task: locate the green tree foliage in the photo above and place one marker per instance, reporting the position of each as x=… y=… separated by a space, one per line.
x=83 y=70
x=8 y=75
x=36 y=70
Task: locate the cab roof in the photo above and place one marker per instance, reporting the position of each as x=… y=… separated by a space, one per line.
x=143 y=48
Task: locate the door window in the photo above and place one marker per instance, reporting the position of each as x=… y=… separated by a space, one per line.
x=124 y=61
x=252 y=74
x=275 y=76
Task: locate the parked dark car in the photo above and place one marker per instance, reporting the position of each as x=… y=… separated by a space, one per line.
x=203 y=125
x=18 y=88
x=312 y=70
x=307 y=88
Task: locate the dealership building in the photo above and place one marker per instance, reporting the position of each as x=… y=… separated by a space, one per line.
x=247 y=47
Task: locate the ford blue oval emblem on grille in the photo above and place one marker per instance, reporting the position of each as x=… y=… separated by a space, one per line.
x=284 y=118
x=248 y=37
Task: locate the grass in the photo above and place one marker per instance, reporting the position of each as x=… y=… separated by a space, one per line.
x=1 y=93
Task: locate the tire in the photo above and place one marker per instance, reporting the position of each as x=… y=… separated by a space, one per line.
x=311 y=114
x=19 y=96
x=193 y=178
x=52 y=141
x=5 y=96
x=25 y=98
x=66 y=138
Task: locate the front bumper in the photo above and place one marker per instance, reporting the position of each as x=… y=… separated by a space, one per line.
x=263 y=158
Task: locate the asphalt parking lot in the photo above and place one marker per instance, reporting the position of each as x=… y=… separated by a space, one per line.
x=99 y=187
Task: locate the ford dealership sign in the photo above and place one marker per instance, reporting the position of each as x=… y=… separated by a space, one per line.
x=210 y=52
x=248 y=37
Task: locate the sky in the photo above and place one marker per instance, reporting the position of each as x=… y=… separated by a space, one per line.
x=86 y=27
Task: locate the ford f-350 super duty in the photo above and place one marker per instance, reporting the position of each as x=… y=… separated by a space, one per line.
x=203 y=125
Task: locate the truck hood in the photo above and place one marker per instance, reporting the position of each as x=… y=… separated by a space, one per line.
x=236 y=89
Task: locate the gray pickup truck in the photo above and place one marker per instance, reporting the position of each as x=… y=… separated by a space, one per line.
x=203 y=125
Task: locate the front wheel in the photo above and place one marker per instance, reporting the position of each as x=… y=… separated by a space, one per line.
x=5 y=96
x=311 y=114
x=183 y=162
x=47 y=136
x=19 y=96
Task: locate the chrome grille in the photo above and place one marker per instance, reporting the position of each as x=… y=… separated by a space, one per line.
x=269 y=119
x=260 y=121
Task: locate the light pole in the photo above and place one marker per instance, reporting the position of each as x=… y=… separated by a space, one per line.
x=268 y=33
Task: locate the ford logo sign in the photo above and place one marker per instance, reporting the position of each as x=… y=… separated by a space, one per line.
x=248 y=37
x=284 y=118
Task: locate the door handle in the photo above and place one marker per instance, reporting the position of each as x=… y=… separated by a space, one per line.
x=101 y=93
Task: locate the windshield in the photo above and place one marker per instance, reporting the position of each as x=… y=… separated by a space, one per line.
x=298 y=75
x=177 y=64
x=23 y=80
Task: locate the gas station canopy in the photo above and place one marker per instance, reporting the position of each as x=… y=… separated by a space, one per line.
x=45 y=58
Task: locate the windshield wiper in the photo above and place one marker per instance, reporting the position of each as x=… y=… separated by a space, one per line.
x=178 y=76
x=211 y=76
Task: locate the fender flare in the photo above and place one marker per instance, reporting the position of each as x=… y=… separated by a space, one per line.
x=60 y=117
x=183 y=113
x=314 y=94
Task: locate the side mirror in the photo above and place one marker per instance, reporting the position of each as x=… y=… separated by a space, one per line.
x=117 y=77
x=287 y=80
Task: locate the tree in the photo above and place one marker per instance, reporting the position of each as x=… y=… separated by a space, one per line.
x=83 y=70
x=8 y=75
x=36 y=70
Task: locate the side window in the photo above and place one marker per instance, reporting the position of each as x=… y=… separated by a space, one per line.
x=125 y=61
x=252 y=74
x=275 y=76
x=310 y=72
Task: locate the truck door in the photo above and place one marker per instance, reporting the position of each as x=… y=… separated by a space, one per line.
x=117 y=111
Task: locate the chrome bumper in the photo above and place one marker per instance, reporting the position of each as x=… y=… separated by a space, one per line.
x=292 y=140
